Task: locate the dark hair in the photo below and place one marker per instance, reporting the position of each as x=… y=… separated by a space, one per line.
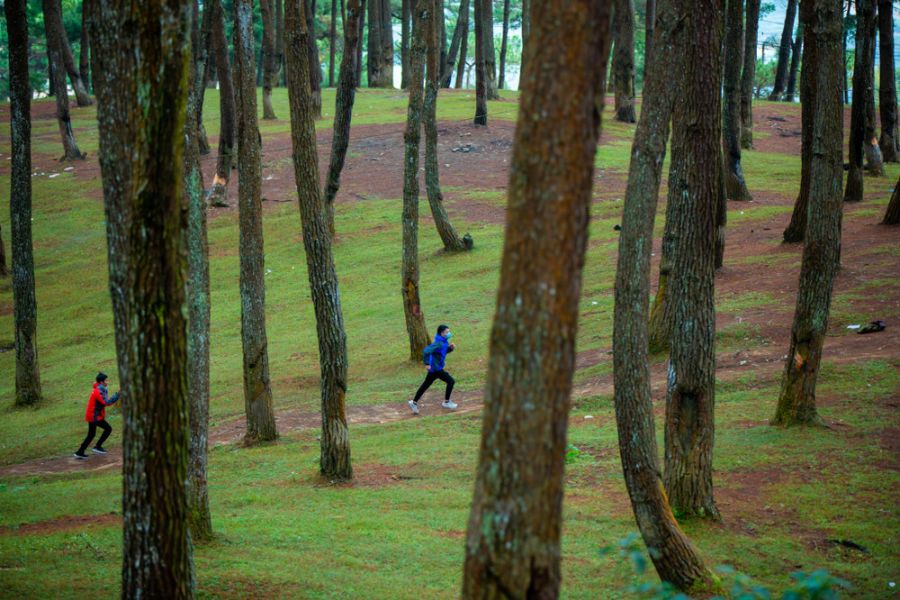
x=442 y=329
x=101 y=377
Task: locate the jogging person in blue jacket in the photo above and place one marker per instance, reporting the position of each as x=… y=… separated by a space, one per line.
x=434 y=356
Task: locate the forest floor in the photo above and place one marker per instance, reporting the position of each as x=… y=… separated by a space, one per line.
x=789 y=498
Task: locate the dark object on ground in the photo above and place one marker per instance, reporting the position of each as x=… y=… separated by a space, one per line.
x=849 y=544
x=617 y=227
x=873 y=327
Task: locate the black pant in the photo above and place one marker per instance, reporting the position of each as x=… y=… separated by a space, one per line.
x=92 y=430
x=429 y=379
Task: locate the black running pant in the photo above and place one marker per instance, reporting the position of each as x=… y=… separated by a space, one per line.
x=429 y=379
x=92 y=431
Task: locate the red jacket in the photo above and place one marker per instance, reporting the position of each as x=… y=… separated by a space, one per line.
x=97 y=403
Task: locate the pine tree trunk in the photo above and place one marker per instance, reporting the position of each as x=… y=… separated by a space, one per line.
x=863 y=85
x=332 y=34
x=84 y=54
x=225 y=160
x=797 y=400
x=623 y=60
x=721 y=212
x=140 y=83
x=693 y=190
x=735 y=185
x=649 y=28
x=278 y=78
x=796 y=229
x=343 y=108
x=58 y=72
x=412 y=306
x=748 y=74
x=503 y=43
x=844 y=55
x=481 y=69
x=874 y=161
x=209 y=67
x=257 y=387
x=484 y=33
x=405 y=22
x=381 y=61
x=526 y=32
x=362 y=27
x=513 y=539
x=887 y=91
x=315 y=70
x=267 y=11
x=796 y=51
x=463 y=51
x=892 y=214
x=460 y=32
x=784 y=51
x=28 y=375
x=334 y=460
x=675 y=558
x=450 y=238
x=4 y=271
x=64 y=63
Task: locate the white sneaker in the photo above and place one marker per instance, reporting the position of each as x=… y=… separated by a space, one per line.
x=414 y=407
x=449 y=404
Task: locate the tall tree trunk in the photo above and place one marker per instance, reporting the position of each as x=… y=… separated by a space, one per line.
x=484 y=34
x=362 y=27
x=887 y=91
x=315 y=67
x=28 y=375
x=735 y=185
x=844 y=55
x=412 y=306
x=257 y=387
x=623 y=60
x=198 y=516
x=207 y=57
x=863 y=85
x=748 y=74
x=225 y=159
x=267 y=11
x=140 y=83
x=279 y=43
x=460 y=32
x=796 y=51
x=51 y=85
x=721 y=211
x=503 y=43
x=405 y=22
x=797 y=400
x=65 y=60
x=451 y=240
x=784 y=51
x=381 y=46
x=332 y=34
x=343 y=107
x=693 y=190
x=649 y=28
x=892 y=214
x=55 y=42
x=526 y=32
x=675 y=558
x=481 y=67
x=874 y=161
x=334 y=460
x=463 y=50
x=84 y=54
x=513 y=540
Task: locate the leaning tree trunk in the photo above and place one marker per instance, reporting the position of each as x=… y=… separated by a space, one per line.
x=748 y=74
x=64 y=63
x=28 y=375
x=735 y=185
x=796 y=229
x=343 y=108
x=796 y=51
x=623 y=60
x=481 y=69
x=887 y=91
x=503 y=44
x=784 y=51
x=405 y=23
x=484 y=15
x=218 y=195
x=451 y=240
x=460 y=32
x=334 y=459
x=513 y=539
x=55 y=39
x=315 y=70
x=141 y=92
x=257 y=387
x=892 y=214
x=267 y=12
x=84 y=54
x=463 y=51
x=675 y=558
x=797 y=400
x=412 y=306
x=197 y=247
x=863 y=71
x=693 y=189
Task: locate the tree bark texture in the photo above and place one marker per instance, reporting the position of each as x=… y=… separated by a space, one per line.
x=56 y=43
x=208 y=59
x=796 y=51
x=526 y=30
x=871 y=150
x=784 y=51
x=412 y=304
x=735 y=185
x=484 y=33
x=623 y=60
x=334 y=459
x=343 y=108
x=84 y=54
x=892 y=214
x=503 y=44
x=513 y=539
x=332 y=50
x=463 y=52
x=481 y=68
x=748 y=74
x=267 y=12
x=315 y=70
x=279 y=42
x=887 y=90
x=863 y=86
x=693 y=190
x=796 y=229
x=28 y=375
x=675 y=558
x=257 y=387
x=225 y=160
x=405 y=26
x=362 y=27
x=649 y=28
x=449 y=237
x=381 y=45
x=140 y=70
x=460 y=31
x=797 y=399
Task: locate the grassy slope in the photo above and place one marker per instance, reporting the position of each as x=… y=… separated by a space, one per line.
x=282 y=533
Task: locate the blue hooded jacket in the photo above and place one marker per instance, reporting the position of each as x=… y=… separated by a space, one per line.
x=437 y=357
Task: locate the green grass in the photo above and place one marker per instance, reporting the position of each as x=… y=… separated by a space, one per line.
x=399 y=531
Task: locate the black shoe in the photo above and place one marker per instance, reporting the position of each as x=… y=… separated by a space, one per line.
x=98 y=450
x=80 y=456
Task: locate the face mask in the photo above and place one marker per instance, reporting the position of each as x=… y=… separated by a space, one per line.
x=448 y=335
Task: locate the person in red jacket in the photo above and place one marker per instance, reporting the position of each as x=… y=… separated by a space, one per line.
x=96 y=416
